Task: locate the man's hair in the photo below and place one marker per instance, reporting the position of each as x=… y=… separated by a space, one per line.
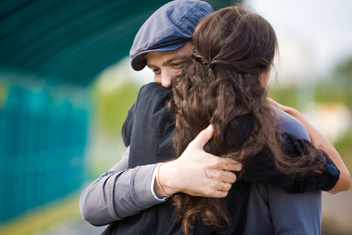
x=222 y=85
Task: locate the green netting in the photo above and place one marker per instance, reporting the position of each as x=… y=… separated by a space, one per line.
x=43 y=133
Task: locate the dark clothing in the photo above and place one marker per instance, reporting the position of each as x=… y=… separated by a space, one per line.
x=158 y=125
x=161 y=219
x=149 y=116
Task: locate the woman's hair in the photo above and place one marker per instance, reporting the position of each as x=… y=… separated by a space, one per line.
x=222 y=83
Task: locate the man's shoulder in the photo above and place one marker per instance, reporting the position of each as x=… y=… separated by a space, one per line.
x=151 y=89
x=291 y=125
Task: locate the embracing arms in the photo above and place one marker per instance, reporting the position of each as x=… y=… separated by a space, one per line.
x=123 y=192
x=320 y=142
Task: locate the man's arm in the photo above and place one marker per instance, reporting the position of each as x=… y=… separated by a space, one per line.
x=123 y=192
x=118 y=193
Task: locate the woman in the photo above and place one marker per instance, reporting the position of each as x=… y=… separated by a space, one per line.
x=224 y=84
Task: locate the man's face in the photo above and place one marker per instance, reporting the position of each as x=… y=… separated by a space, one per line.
x=167 y=64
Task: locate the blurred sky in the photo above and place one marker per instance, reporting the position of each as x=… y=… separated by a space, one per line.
x=314 y=36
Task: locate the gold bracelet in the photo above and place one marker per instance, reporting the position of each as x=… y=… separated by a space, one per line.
x=158 y=182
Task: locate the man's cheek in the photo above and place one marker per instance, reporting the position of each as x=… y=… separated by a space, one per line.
x=177 y=71
x=157 y=79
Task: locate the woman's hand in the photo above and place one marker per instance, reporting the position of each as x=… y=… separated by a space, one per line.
x=197 y=172
x=284 y=108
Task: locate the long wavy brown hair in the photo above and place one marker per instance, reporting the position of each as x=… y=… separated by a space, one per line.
x=222 y=82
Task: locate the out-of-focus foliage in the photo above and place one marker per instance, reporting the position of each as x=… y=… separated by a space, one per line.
x=111 y=107
x=111 y=102
x=345 y=149
x=339 y=89
x=343 y=75
x=338 y=86
x=286 y=96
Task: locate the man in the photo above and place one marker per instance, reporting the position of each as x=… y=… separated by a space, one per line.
x=123 y=191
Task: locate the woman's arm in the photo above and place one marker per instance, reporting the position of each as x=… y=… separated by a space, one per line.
x=320 y=142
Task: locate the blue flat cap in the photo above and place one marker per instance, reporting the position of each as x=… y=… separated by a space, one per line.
x=167 y=29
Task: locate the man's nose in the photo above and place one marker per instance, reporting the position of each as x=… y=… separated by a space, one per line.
x=166 y=80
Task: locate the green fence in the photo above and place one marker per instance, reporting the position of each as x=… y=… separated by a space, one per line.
x=43 y=132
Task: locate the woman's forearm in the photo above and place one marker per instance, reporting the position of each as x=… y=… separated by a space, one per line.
x=320 y=142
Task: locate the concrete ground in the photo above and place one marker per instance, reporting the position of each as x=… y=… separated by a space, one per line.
x=337 y=213
x=72 y=227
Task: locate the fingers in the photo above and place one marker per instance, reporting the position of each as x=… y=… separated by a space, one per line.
x=228 y=164
x=225 y=187
x=278 y=105
x=222 y=169
x=220 y=175
x=228 y=177
x=272 y=102
x=204 y=136
x=218 y=194
x=275 y=104
x=223 y=192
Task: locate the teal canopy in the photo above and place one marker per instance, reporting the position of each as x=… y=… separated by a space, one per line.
x=71 y=41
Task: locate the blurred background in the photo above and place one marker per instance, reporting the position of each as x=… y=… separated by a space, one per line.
x=66 y=86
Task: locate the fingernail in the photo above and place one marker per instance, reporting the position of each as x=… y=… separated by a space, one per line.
x=210 y=127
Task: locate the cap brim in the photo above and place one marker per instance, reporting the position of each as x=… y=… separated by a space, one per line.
x=138 y=62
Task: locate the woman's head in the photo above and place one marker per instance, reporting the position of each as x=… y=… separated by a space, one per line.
x=226 y=77
x=236 y=39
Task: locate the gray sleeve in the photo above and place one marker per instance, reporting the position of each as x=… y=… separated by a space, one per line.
x=271 y=210
x=118 y=193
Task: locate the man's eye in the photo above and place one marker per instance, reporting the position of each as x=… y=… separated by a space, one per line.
x=155 y=70
x=177 y=65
